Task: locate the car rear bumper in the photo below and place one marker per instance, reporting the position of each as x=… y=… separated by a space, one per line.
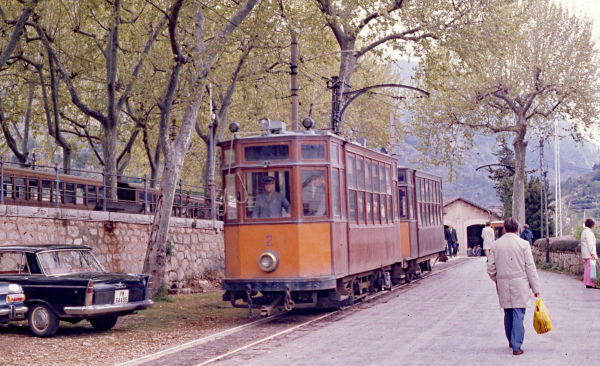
x=108 y=308
x=13 y=312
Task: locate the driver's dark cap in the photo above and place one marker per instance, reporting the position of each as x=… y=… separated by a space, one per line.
x=268 y=179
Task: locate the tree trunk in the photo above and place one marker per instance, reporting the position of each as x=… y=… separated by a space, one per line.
x=109 y=150
x=156 y=254
x=518 y=198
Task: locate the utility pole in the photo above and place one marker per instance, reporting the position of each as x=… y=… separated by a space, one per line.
x=544 y=202
x=557 y=190
x=335 y=104
x=294 y=81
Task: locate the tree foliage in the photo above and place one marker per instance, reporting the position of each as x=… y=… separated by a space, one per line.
x=513 y=71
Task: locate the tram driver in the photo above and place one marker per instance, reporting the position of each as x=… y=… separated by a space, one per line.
x=270 y=203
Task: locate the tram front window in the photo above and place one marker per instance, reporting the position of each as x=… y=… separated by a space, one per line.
x=314 y=194
x=268 y=194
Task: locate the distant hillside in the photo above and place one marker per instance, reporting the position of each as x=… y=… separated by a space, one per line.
x=576 y=160
x=582 y=193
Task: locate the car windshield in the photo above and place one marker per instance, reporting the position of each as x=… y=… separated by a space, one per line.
x=68 y=261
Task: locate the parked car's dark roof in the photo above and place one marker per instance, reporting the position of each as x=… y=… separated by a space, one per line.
x=41 y=247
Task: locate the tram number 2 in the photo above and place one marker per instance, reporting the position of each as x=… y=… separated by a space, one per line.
x=268 y=240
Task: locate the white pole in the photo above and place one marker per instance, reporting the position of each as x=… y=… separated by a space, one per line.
x=556 y=178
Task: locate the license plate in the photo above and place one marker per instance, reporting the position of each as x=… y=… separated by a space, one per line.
x=121 y=296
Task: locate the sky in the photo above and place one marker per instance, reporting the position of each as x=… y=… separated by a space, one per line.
x=587 y=8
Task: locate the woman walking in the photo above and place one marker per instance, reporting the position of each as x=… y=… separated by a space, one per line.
x=588 y=252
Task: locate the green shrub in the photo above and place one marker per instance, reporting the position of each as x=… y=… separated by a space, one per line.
x=161 y=294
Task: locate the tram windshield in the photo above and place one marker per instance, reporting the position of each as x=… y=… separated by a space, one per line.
x=314 y=194
x=268 y=194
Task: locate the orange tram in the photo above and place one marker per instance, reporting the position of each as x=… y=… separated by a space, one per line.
x=313 y=220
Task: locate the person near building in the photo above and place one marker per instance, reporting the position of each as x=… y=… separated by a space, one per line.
x=527 y=234
x=510 y=265
x=487 y=234
x=452 y=240
x=588 y=252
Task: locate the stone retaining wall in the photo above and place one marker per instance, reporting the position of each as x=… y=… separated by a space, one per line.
x=570 y=260
x=119 y=240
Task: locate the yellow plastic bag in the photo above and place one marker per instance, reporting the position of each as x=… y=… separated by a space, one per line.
x=541 y=317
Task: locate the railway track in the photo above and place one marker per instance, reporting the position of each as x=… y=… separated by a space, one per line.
x=219 y=346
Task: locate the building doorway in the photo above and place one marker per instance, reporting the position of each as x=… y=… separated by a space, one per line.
x=474 y=237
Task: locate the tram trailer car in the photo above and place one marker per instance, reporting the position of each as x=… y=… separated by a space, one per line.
x=286 y=248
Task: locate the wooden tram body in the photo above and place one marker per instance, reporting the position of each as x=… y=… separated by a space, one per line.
x=357 y=242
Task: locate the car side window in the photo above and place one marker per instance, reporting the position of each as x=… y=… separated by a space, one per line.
x=34 y=267
x=13 y=263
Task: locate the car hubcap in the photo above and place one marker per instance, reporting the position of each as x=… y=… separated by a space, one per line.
x=40 y=319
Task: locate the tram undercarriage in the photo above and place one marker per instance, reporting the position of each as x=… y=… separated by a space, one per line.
x=347 y=291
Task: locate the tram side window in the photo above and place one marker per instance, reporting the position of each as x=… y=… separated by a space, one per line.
x=376 y=208
x=402 y=200
x=360 y=207
x=335 y=186
x=351 y=173
x=376 y=178
x=352 y=206
x=230 y=198
x=360 y=173
x=314 y=193
x=368 y=200
x=47 y=191
x=268 y=194
x=333 y=153
x=367 y=175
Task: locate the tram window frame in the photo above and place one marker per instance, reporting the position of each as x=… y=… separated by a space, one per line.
x=382 y=179
x=402 y=202
x=335 y=192
x=368 y=186
x=20 y=191
x=351 y=172
x=411 y=204
x=376 y=213
x=253 y=153
x=402 y=176
x=258 y=189
x=33 y=189
x=230 y=198
x=368 y=207
x=352 y=206
x=80 y=199
x=376 y=187
x=47 y=191
x=360 y=173
x=383 y=209
x=228 y=156
x=390 y=209
x=360 y=205
x=307 y=174
x=388 y=180
x=333 y=153
x=312 y=151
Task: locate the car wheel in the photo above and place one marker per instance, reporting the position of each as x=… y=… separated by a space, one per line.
x=104 y=322
x=42 y=320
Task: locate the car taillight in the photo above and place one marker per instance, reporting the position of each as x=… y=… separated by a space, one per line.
x=15 y=298
x=150 y=283
x=89 y=294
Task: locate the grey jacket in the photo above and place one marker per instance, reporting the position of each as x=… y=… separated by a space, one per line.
x=511 y=266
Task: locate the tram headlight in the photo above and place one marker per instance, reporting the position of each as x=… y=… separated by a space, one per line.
x=268 y=261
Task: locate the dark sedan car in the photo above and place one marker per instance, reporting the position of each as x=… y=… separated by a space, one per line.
x=12 y=306
x=66 y=282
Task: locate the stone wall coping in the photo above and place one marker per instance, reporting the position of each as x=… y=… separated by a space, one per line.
x=88 y=215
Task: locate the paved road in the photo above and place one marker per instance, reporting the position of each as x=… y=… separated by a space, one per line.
x=449 y=318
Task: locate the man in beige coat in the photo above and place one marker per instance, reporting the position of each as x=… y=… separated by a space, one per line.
x=510 y=265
